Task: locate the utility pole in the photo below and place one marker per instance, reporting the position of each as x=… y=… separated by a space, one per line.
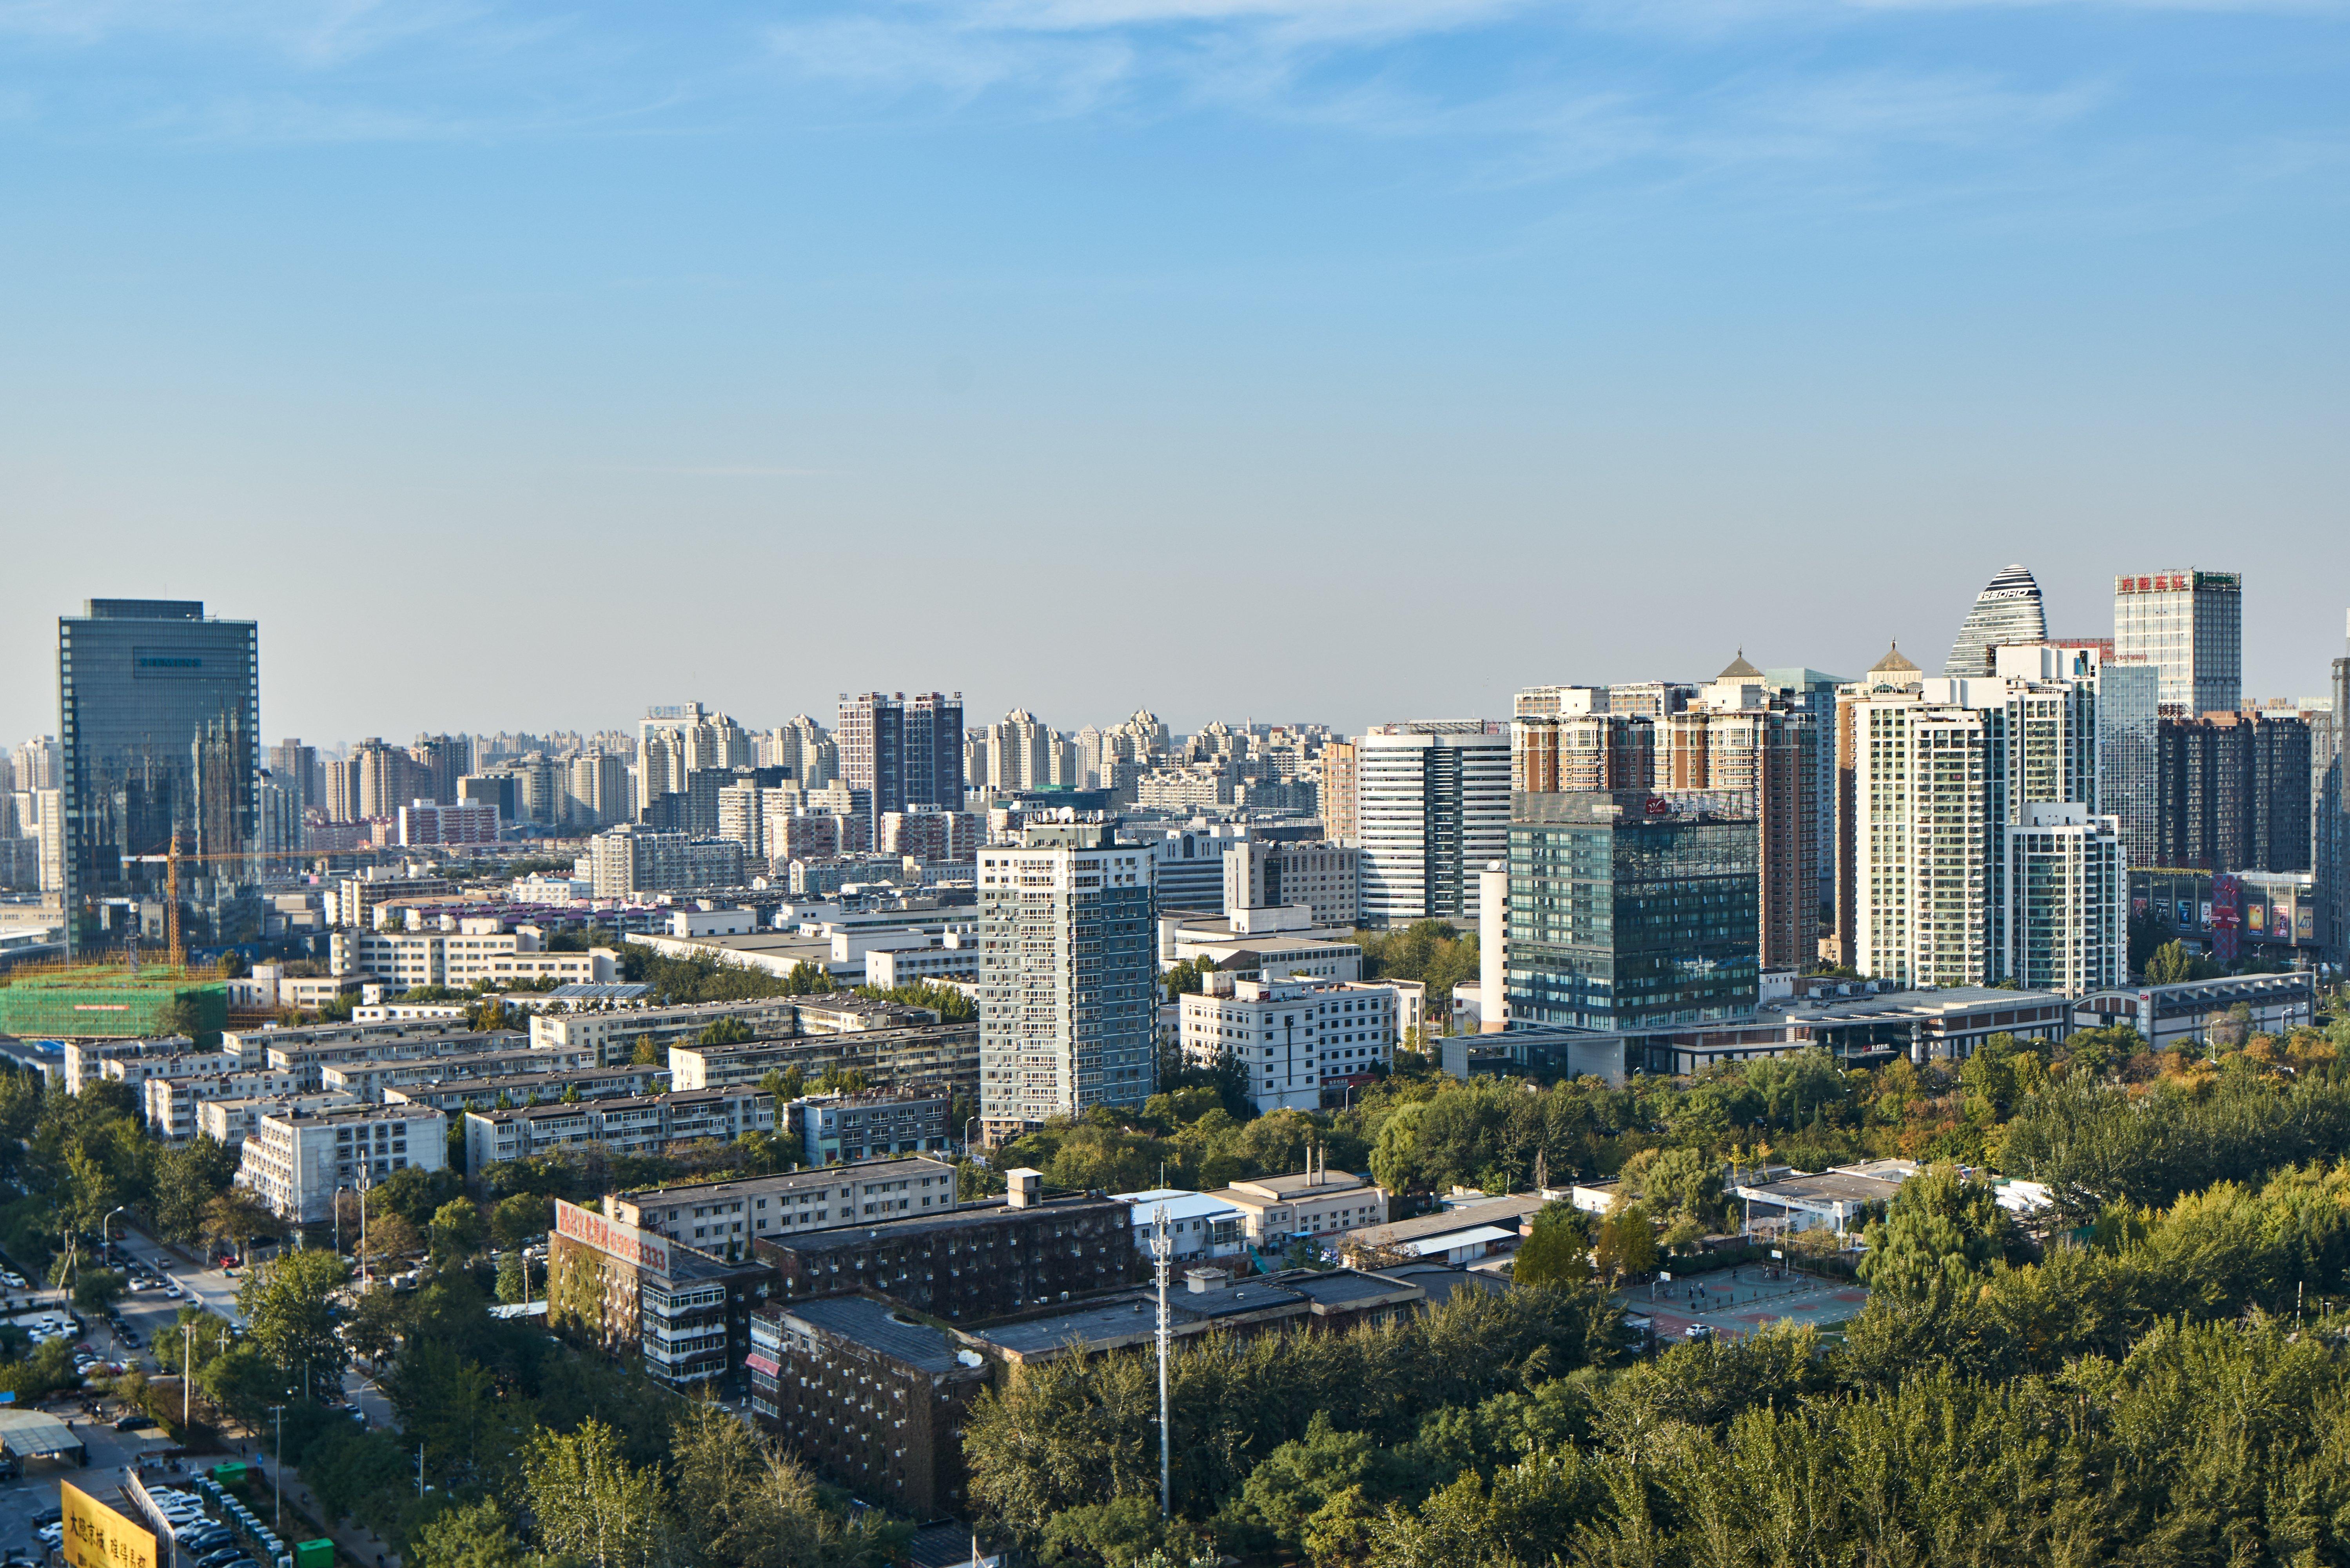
x=277 y=1470
x=1163 y=1248
x=419 y=1472
x=187 y=1374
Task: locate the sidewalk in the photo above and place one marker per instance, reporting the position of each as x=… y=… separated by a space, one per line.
x=354 y=1539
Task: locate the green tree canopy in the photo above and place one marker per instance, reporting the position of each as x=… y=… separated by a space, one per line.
x=289 y=1316
x=1941 y=1225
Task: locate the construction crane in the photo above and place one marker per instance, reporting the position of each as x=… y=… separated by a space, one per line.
x=171 y=860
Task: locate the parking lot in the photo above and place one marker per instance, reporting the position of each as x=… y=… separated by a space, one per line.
x=111 y=1452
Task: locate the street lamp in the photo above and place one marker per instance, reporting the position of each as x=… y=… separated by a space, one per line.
x=277 y=1470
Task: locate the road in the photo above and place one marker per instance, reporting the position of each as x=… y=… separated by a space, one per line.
x=151 y=1312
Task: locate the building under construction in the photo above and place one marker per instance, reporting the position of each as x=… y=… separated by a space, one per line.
x=109 y=1002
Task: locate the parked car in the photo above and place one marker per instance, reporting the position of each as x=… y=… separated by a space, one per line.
x=137 y=1421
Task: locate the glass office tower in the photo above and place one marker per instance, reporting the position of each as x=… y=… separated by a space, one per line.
x=2190 y=626
x=1629 y=910
x=160 y=725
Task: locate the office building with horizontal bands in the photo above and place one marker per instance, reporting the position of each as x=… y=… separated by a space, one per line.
x=727 y=1217
x=457 y=959
x=941 y=1055
x=1628 y=909
x=173 y=1103
x=2234 y=793
x=974 y=1261
x=1432 y=803
x=614 y=1035
x=1325 y=878
x=160 y=746
x=527 y=1088
x=635 y=1124
x=2189 y=625
x=870 y=1395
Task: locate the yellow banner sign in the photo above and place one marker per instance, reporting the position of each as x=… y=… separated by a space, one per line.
x=97 y=1536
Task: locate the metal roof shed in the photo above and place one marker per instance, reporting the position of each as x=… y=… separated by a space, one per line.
x=35 y=1434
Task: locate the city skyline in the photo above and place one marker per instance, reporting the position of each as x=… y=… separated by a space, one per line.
x=299 y=696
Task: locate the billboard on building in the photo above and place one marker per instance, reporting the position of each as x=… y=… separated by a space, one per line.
x=639 y=1248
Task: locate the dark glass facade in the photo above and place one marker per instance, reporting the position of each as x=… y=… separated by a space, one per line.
x=1629 y=910
x=159 y=723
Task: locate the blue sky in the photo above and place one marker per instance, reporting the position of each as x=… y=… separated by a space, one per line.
x=1315 y=359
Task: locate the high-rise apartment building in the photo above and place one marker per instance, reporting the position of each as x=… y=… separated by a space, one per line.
x=1068 y=979
x=1552 y=754
x=1891 y=676
x=598 y=789
x=1019 y=753
x=1773 y=754
x=2234 y=794
x=804 y=749
x=1926 y=833
x=2069 y=881
x=1340 y=782
x=907 y=751
x=1632 y=909
x=159 y=727
x=1432 y=805
x=441 y=760
x=295 y=768
x=1805 y=691
x=677 y=740
x=1940 y=773
x=39 y=763
x=933 y=766
x=382 y=779
x=2007 y=611
x=2188 y=624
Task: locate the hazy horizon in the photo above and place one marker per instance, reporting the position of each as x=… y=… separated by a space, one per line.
x=740 y=693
